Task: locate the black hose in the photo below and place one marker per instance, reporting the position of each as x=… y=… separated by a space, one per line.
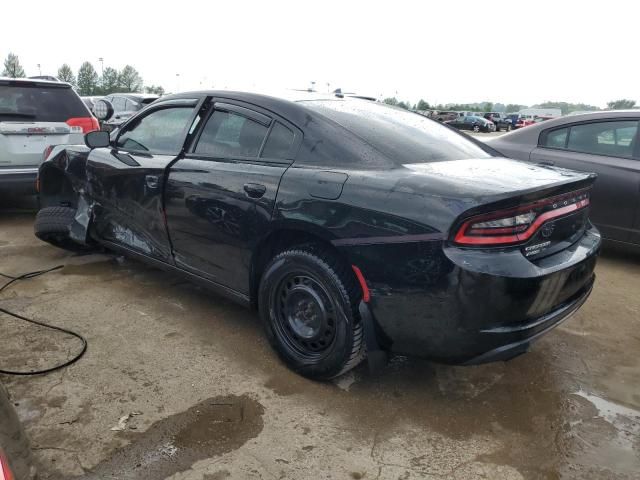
x=75 y=358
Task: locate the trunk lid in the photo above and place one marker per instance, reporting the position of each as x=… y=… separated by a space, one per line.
x=539 y=209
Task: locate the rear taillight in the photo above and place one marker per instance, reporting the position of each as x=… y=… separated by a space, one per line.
x=84 y=124
x=517 y=225
x=46 y=152
x=5 y=471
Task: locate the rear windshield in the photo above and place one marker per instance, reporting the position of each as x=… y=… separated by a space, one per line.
x=39 y=103
x=403 y=136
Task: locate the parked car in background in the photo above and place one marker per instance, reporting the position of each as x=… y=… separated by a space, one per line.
x=606 y=143
x=35 y=114
x=16 y=462
x=524 y=122
x=513 y=118
x=90 y=102
x=123 y=105
x=500 y=121
x=444 y=116
x=474 y=123
x=344 y=222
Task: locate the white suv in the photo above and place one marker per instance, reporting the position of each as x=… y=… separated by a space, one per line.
x=34 y=115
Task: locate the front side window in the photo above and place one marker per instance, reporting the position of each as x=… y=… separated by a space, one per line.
x=228 y=134
x=605 y=138
x=161 y=131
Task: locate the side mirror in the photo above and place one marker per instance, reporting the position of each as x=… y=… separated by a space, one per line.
x=103 y=110
x=97 y=139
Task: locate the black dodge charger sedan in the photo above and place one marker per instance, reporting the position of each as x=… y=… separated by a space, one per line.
x=349 y=225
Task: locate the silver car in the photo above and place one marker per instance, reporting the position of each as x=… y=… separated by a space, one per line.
x=607 y=143
x=35 y=114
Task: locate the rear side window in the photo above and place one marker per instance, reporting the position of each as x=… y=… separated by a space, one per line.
x=279 y=142
x=228 y=134
x=605 y=138
x=403 y=136
x=161 y=131
x=39 y=103
x=557 y=138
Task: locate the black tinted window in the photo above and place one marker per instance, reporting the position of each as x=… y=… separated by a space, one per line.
x=161 y=131
x=40 y=104
x=605 y=138
x=403 y=136
x=228 y=134
x=279 y=142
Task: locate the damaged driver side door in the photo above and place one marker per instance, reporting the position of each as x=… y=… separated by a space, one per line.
x=127 y=179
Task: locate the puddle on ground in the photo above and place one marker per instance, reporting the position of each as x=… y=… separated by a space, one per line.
x=620 y=448
x=212 y=427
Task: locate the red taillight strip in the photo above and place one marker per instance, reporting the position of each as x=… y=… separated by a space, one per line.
x=464 y=239
x=366 y=295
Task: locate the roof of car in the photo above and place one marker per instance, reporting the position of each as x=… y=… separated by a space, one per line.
x=134 y=95
x=37 y=81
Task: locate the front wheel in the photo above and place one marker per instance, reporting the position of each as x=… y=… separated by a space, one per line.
x=476 y=128
x=53 y=225
x=308 y=301
x=508 y=128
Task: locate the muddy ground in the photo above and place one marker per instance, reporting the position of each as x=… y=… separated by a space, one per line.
x=178 y=383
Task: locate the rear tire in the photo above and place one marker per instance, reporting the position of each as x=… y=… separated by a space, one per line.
x=53 y=226
x=308 y=301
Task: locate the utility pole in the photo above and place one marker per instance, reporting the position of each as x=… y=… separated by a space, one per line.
x=39 y=70
x=177 y=82
x=101 y=60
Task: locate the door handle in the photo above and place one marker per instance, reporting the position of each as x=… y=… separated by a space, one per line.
x=152 y=181
x=254 y=190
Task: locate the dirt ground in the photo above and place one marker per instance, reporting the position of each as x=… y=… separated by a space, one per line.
x=178 y=383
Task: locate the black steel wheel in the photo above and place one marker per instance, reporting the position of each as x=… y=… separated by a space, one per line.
x=308 y=303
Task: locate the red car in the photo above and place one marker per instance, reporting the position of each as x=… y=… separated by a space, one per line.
x=524 y=122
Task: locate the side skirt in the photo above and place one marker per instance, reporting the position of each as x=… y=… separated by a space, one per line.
x=233 y=295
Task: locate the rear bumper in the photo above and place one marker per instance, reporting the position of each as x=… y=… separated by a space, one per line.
x=468 y=306
x=517 y=339
x=18 y=181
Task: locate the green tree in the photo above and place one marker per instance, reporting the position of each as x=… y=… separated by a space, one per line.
x=488 y=107
x=391 y=101
x=66 y=74
x=12 y=67
x=155 y=89
x=405 y=105
x=109 y=81
x=422 y=105
x=621 y=104
x=87 y=79
x=129 y=79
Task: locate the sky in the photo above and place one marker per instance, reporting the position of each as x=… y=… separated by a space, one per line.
x=523 y=52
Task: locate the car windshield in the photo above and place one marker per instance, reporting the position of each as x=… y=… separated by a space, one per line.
x=39 y=103
x=403 y=136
